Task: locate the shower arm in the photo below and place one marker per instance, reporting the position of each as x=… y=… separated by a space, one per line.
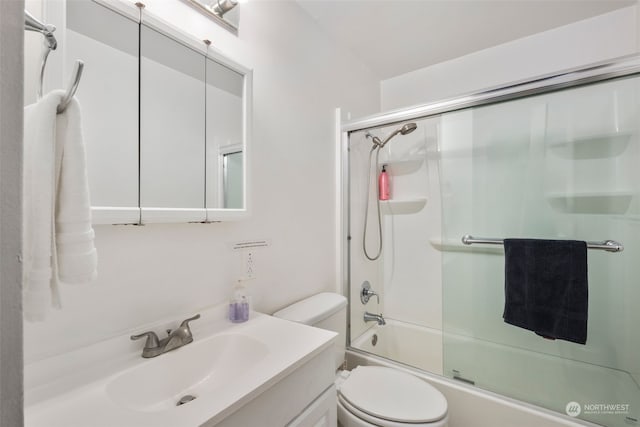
x=406 y=129
x=378 y=143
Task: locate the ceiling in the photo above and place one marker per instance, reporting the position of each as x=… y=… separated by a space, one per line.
x=394 y=37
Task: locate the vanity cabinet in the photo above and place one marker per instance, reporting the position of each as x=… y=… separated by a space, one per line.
x=323 y=412
x=166 y=118
x=306 y=397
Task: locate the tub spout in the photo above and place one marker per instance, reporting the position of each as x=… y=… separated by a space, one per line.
x=370 y=317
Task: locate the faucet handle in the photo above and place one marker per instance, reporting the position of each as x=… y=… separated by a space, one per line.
x=366 y=293
x=185 y=323
x=152 y=339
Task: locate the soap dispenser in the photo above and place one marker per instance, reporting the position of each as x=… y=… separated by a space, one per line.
x=239 y=303
x=383 y=184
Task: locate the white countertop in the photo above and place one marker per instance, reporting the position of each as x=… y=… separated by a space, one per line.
x=75 y=389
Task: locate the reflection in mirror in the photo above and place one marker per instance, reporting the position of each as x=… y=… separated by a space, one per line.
x=172 y=125
x=108 y=43
x=224 y=136
x=232 y=180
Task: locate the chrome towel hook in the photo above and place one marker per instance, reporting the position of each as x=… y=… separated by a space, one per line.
x=50 y=43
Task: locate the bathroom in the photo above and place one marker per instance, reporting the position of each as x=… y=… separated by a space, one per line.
x=162 y=272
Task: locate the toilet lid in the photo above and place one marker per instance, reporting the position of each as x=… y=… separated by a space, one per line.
x=393 y=395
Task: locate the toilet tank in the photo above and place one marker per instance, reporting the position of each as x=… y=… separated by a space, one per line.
x=326 y=311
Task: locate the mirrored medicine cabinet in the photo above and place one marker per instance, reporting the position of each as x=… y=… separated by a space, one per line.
x=166 y=118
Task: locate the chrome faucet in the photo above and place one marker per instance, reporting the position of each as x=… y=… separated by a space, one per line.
x=366 y=293
x=175 y=339
x=370 y=317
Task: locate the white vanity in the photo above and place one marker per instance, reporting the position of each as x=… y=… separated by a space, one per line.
x=266 y=372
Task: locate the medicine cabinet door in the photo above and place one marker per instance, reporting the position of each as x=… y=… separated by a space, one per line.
x=107 y=42
x=225 y=124
x=172 y=129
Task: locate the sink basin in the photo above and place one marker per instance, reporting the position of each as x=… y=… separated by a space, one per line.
x=200 y=367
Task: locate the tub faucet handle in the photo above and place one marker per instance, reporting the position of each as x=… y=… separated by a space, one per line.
x=366 y=293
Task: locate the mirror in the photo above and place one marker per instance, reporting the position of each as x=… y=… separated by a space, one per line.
x=224 y=124
x=172 y=129
x=108 y=44
x=232 y=180
x=166 y=119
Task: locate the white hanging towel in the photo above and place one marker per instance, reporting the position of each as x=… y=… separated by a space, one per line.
x=58 y=237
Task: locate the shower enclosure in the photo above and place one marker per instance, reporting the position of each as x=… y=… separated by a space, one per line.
x=555 y=158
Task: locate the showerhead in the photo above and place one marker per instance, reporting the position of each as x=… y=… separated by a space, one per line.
x=408 y=128
x=404 y=130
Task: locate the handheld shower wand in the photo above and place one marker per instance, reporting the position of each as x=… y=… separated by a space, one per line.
x=377 y=145
x=404 y=130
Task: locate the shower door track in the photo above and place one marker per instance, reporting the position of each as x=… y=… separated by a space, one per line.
x=605 y=70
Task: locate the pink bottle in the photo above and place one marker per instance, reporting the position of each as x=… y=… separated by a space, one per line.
x=383 y=184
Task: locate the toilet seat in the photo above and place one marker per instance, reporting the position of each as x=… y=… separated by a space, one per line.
x=391 y=398
x=347 y=411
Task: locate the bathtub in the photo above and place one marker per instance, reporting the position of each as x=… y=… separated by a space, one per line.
x=406 y=343
x=418 y=350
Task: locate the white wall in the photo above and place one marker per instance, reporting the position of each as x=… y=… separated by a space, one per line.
x=164 y=271
x=11 y=46
x=596 y=39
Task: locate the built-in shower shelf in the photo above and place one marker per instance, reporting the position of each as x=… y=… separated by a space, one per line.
x=445 y=245
x=614 y=202
x=403 y=206
x=403 y=166
x=456 y=245
x=591 y=147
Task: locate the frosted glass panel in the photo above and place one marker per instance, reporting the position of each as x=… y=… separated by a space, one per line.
x=557 y=166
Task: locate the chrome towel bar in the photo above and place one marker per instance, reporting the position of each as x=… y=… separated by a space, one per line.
x=607 y=245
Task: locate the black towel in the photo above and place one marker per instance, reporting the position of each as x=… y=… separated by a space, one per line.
x=546 y=288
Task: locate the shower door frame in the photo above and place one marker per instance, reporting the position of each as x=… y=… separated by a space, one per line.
x=580 y=76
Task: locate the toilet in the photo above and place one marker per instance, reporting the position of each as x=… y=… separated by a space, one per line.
x=370 y=395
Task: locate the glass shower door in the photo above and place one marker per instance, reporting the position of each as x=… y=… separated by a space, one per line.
x=562 y=165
